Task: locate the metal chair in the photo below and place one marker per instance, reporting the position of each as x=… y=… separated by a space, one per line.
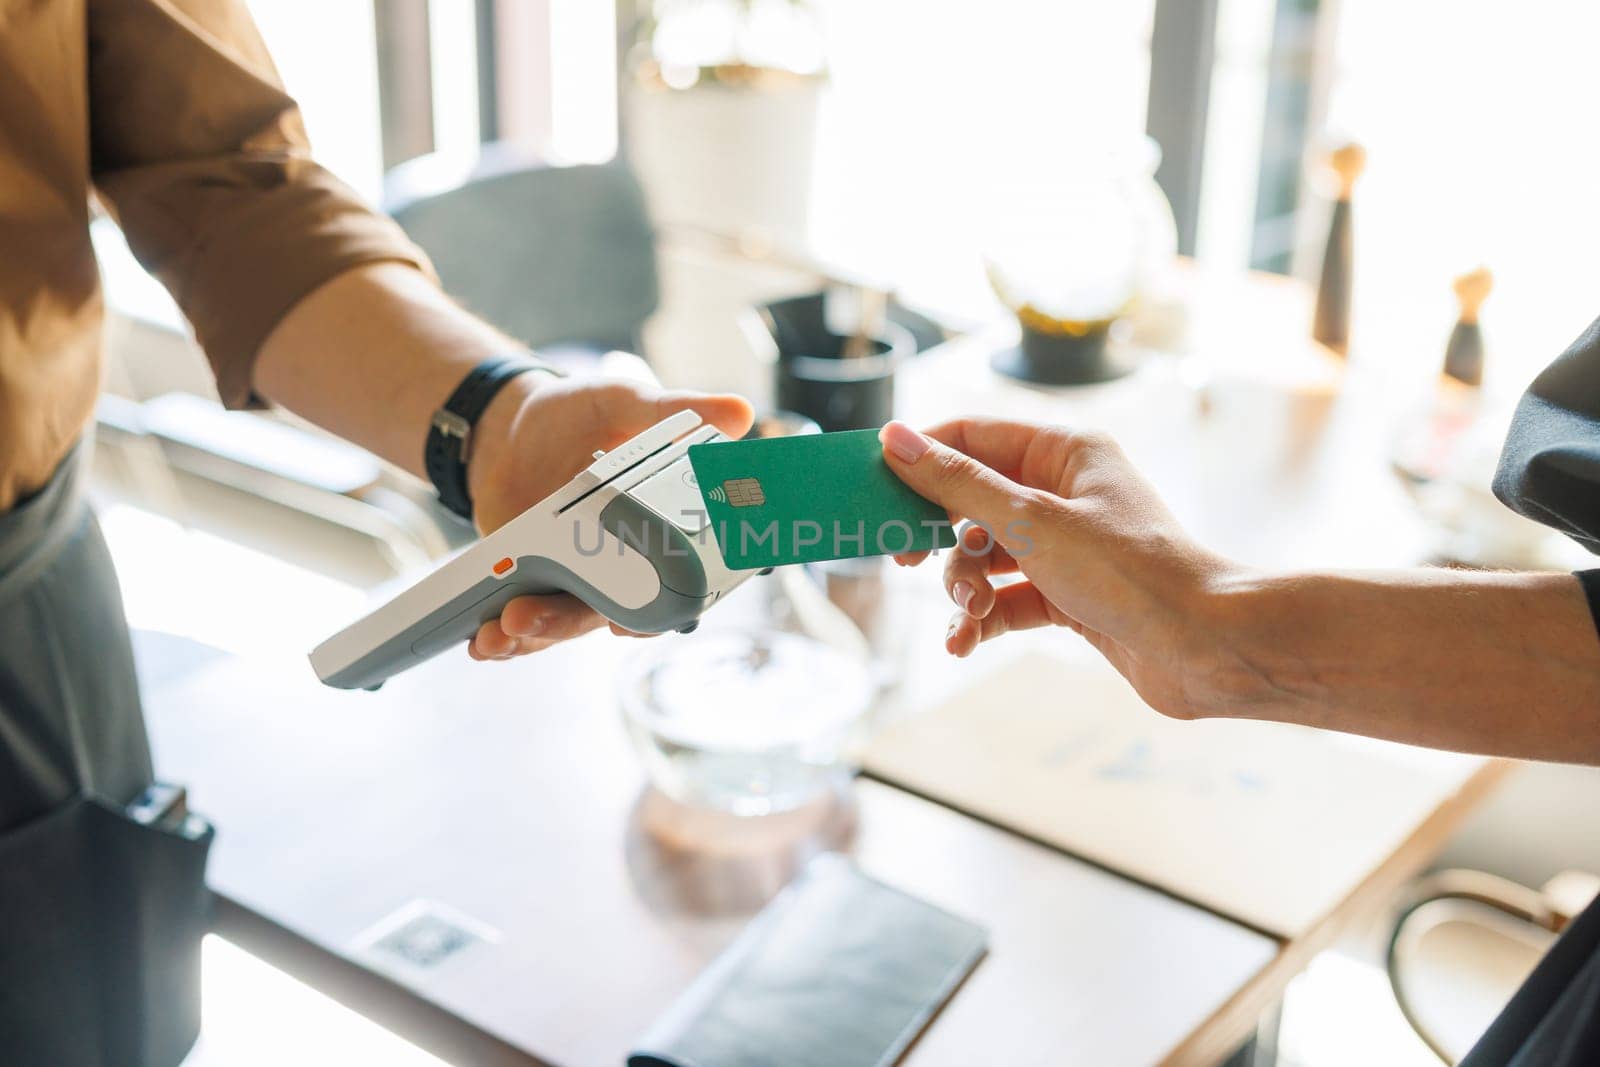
x=1465 y=940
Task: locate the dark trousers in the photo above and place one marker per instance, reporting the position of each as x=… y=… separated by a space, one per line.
x=100 y=916
x=70 y=720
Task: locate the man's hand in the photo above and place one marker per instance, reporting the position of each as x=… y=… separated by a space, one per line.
x=1096 y=548
x=536 y=435
x=372 y=354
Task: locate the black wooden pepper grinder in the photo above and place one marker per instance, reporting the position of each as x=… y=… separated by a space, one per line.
x=1463 y=356
x=1331 y=322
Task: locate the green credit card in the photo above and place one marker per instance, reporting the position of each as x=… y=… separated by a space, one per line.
x=815 y=497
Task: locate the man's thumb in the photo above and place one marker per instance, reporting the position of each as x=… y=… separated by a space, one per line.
x=952 y=479
x=728 y=413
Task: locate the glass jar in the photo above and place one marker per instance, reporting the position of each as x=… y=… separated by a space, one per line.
x=1073 y=250
x=750 y=722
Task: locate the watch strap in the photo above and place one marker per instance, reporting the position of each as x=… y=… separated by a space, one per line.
x=450 y=436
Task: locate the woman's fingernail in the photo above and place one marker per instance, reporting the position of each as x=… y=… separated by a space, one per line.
x=907 y=444
x=951 y=634
x=963 y=593
x=534 y=628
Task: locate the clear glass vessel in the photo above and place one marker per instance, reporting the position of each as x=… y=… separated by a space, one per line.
x=748 y=722
x=1070 y=251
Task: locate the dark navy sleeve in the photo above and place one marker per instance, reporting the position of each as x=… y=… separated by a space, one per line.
x=1550 y=472
x=1590 y=580
x=1550 y=466
x=1553 y=1020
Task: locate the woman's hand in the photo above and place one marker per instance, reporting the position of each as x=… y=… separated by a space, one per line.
x=536 y=435
x=1096 y=549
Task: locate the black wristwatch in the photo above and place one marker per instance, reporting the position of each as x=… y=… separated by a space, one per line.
x=450 y=436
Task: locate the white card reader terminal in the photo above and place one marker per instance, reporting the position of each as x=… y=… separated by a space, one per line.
x=627 y=536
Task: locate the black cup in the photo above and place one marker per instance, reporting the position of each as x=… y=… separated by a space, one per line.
x=816 y=379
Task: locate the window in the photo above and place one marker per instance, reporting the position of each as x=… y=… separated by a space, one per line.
x=1475 y=118
x=934 y=102
x=1479 y=123
x=326 y=54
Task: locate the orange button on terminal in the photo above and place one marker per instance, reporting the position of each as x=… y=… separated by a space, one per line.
x=503 y=566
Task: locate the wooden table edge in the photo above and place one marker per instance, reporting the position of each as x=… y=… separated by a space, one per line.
x=1233 y=1023
x=367 y=992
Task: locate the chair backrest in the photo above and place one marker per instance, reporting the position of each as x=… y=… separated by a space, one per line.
x=549 y=254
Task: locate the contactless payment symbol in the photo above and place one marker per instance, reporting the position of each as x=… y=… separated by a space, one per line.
x=739 y=492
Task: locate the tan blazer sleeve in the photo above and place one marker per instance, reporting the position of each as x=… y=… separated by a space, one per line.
x=202 y=158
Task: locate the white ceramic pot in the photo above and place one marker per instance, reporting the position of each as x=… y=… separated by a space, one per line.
x=726 y=158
